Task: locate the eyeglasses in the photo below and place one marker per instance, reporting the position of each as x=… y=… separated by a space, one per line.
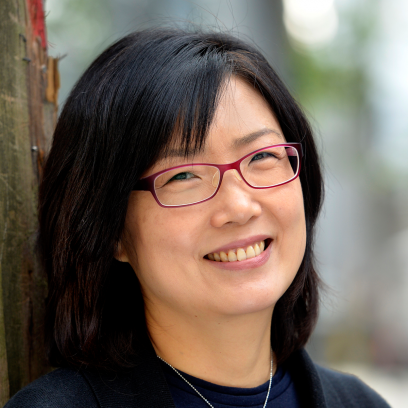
x=195 y=183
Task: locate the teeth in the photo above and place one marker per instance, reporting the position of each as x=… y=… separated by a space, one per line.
x=250 y=252
x=232 y=256
x=257 y=250
x=238 y=254
x=241 y=255
x=223 y=256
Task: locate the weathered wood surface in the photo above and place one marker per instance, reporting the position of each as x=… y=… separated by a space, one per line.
x=26 y=120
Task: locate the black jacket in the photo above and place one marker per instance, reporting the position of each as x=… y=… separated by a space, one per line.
x=146 y=387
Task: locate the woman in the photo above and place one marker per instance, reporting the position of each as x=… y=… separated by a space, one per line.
x=177 y=214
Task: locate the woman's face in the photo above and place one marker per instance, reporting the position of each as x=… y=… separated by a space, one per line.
x=168 y=247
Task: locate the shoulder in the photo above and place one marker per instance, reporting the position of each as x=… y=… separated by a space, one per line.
x=61 y=388
x=321 y=387
x=348 y=389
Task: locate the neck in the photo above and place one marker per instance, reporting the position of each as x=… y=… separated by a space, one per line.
x=226 y=350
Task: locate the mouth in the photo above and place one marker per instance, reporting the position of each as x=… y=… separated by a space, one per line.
x=239 y=254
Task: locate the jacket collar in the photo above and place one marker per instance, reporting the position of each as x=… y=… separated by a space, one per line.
x=307 y=381
x=145 y=385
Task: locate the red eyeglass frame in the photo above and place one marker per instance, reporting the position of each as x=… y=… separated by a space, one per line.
x=147 y=183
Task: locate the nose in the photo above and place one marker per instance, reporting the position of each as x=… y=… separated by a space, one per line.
x=235 y=201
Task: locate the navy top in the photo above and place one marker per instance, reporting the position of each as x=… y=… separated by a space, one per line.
x=282 y=394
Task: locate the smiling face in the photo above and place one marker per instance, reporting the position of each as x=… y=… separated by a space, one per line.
x=171 y=249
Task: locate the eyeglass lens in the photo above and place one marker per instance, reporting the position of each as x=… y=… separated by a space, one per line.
x=194 y=183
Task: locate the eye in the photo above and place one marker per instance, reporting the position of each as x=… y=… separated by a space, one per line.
x=185 y=175
x=261 y=155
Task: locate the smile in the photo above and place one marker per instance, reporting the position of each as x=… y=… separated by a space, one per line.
x=239 y=254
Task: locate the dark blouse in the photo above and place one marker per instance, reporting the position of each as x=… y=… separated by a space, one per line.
x=282 y=394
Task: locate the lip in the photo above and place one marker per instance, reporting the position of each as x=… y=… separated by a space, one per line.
x=242 y=243
x=255 y=262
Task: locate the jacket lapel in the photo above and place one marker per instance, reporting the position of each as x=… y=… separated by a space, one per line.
x=307 y=381
x=144 y=386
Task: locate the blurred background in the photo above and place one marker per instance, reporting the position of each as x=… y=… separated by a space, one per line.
x=346 y=61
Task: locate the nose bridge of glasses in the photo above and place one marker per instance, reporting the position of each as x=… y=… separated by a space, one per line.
x=231 y=166
x=222 y=169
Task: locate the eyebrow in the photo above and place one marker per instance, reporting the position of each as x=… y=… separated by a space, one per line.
x=242 y=141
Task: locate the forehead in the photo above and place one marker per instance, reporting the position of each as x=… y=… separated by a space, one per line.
x=243 y=119
x=267 y=134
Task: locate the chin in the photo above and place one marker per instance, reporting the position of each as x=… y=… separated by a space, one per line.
x=249 y=301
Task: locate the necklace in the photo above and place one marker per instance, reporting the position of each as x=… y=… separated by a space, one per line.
x=206 y=401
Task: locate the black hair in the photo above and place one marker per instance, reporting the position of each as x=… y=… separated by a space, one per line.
x=120 y=116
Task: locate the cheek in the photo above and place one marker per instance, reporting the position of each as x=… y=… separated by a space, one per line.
x=159 y=237
x=292 y=224
x=167 y=235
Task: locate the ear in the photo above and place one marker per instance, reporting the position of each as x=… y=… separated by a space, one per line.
x=120 y=253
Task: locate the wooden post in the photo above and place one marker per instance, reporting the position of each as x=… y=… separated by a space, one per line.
x=28 y=108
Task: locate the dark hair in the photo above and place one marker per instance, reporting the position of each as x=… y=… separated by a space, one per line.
x=120 y=116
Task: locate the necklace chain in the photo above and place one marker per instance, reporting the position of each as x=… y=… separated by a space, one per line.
x=205 y=399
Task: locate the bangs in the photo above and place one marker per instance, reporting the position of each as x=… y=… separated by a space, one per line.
x=188 y=130
x=178 y=98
